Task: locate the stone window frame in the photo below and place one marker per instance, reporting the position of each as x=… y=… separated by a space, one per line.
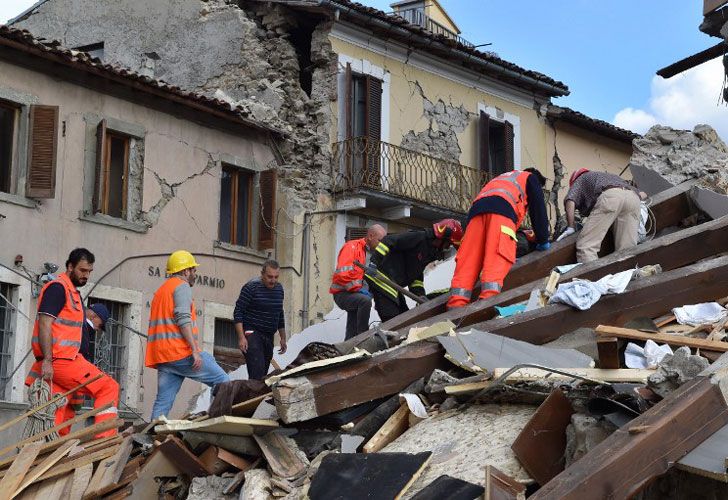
x=248 y=164
x=137 y=140
x=22 y=330
x=135 y=345
x=20 y=146
x=500 y=116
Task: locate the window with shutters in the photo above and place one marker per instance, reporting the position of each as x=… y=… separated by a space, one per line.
x=225 y=348
x=118 y=171
x=8 y=120
x=496 y=144
x=364 y=125
x=236 y=206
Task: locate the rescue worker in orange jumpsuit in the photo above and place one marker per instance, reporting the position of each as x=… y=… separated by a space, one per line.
x=173 y=340
x=351 y=293
x=57 y=339
x=403 y=257
x=489 y=246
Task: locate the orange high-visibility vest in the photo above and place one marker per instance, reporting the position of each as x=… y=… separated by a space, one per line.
x=348 y=277
x=66 y=328
x=165 y=342
x=511 y=186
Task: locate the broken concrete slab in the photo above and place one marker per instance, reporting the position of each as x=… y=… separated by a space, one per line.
x=648 y=180
x=712 y=203
x=676 y=369
x=464 y=442
x=486 y=351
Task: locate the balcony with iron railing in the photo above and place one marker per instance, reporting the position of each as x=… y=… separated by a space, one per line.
x=362 y=164
x=417 y=17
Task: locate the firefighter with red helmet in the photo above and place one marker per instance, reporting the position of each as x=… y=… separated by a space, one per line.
x=489 y=246
x=403 y=257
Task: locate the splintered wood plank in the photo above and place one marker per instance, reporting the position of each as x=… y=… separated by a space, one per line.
x=541 y=444
x=45 y=465
x=109 y=470
x=626 y=333
x=79 y=482
x=18 y=470
x=247 y=408
x=500 y=486
x=70 y=465
x=234 y=426
x=176 y=451
x=67 y=423
x=282 y=454
x=391 y=430
x=624 y=463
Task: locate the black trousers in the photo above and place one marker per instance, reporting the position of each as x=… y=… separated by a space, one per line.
x=260 y=352
x=357 y=307
x=386 y=306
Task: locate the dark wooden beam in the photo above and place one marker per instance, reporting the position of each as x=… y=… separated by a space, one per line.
x=327 y=391
x=671 y=252
x=648 y=297
x=625 y=462
x=690 y=62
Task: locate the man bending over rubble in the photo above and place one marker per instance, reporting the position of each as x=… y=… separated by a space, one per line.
x=351 y=293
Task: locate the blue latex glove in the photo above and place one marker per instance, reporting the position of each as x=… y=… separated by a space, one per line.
x=365 y=292
x=542 y=247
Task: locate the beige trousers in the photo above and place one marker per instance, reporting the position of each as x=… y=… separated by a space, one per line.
x=618 y=207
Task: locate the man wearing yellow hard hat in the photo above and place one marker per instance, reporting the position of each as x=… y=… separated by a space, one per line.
x=173 y=344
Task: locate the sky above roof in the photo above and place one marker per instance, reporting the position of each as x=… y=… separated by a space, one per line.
x=606 y=52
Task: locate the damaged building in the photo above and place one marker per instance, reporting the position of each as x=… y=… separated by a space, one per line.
x=391 y=118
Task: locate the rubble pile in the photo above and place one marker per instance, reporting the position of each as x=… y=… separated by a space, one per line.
x=513 y=395
x=681 y=155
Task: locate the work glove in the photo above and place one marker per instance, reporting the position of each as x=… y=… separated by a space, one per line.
x=542 y=247
x=366 y=292
x=568 y=231
x=371 y=269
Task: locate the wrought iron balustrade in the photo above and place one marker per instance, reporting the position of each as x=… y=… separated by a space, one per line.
x=364 y=163
x=417 y=17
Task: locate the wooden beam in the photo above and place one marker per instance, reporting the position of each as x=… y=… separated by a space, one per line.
x=73 y=464
x=670 y=252
x=109 y=470
x=391 y=430
x=608 y=348
x=648 y=297
x=327 y=391
x=695 y=343
x=670 y=207
x=621 y=465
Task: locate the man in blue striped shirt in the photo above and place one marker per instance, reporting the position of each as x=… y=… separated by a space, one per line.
x=258 y=316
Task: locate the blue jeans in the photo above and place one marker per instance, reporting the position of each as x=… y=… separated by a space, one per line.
x=171 y=375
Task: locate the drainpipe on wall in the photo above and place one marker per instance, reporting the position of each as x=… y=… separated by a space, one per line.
x=306 y=243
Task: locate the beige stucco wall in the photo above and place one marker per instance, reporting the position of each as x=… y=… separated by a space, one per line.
x=176 y=150
x=579 y=148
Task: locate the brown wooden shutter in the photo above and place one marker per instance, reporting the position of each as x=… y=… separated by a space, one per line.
x=374 y=111
x=100 y=160
x=508 y=142
x=348 y=96
x=484 y=142
x=268 y=184
x=42 y=152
